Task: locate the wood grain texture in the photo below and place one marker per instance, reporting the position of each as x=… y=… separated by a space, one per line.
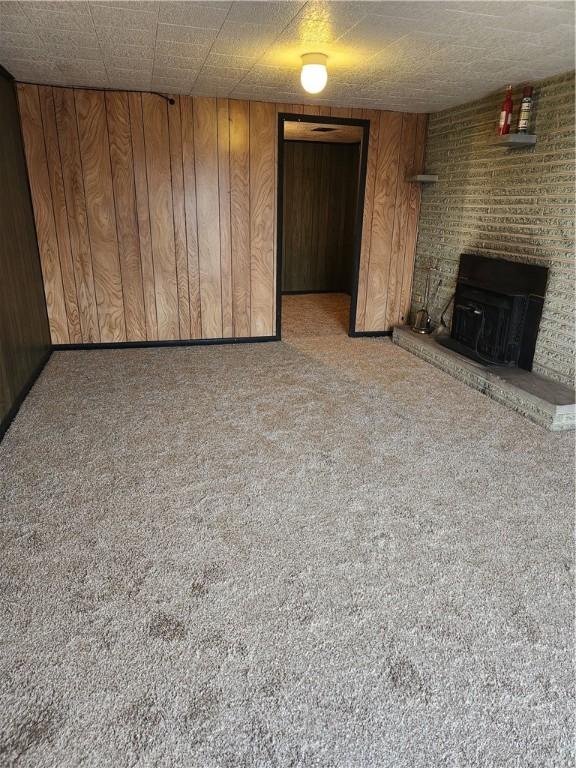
x=43 y=213
x=374 y=134
x=180 y=245
x=188 y=164
x=156 y=136
x=119 y=132
x=60 y=212
x=143 y=214
x=68 y=143
x=95 y=154
x=398 y=246
x=159 y=221
x=225 y=230
x=340 y=112
x=262 y=224
x=240 y=215
x=383 y=220
x=320 y=182
x=411 y=235
x=208 y=208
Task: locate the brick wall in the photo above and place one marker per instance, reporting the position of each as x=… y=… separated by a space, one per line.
x=513 y=204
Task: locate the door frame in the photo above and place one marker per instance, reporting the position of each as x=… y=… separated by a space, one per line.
x=299 y=118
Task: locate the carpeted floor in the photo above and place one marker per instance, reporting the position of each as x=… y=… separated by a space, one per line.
x=320 y=552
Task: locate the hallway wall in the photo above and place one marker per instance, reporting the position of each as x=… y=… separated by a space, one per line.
x=320 y=198
x=24 y=331
x=158 y=222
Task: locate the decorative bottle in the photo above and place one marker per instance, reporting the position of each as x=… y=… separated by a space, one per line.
x=506 y=113
x=525 y=110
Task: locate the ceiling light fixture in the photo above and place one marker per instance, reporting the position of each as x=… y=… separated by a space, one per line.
x=314 y=75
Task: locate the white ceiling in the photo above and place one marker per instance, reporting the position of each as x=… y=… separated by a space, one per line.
x=411 y=56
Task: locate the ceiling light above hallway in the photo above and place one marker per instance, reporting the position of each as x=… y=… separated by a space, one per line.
x=314 y=75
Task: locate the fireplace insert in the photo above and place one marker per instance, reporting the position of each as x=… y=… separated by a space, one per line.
x=497 y=310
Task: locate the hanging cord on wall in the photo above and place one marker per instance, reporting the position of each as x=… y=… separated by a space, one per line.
x=164 y=96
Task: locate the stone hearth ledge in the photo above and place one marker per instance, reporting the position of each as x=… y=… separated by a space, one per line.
x=546 y=402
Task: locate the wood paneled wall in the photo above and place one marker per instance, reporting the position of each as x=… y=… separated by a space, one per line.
x=158 y=222
x=24 y=332
x=320 y=200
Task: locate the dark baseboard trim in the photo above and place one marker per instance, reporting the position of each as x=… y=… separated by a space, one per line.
x=175 y=343
x=9 y=418
x=369 y=334
x=306 y=292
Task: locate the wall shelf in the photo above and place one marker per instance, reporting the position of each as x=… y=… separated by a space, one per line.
x=423 y=178
x=516 y=140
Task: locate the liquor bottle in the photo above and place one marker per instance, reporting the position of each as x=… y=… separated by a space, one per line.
x=525 y=110
x=506 y=113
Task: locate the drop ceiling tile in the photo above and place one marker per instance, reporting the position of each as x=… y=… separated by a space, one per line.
x=85 y=52
x=182 y=50
x=222 y=74
x=19 y=39
x=135 y=53
x=31 y=72
x=178 y=61
x=15 y=23
x=264 y=12
x=222 y=61
x=125 y=59
x=394 y=54
x=68 y=37
x=402 y=10
x=126 y=70
x=247 y=40
x=41 y=19
x=132 y=83
x=175 y=73
x=148 y=6
x=119 y=36
x=183 y=81
x=79 y=7
x=123 y=18
x=189 y=35
x=208 y=16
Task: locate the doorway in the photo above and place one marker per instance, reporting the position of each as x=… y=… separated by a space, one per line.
x=321 y=181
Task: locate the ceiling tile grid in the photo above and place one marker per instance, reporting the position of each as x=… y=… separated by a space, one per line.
x=420 y=55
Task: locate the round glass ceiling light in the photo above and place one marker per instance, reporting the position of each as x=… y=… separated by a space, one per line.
x=314 y=75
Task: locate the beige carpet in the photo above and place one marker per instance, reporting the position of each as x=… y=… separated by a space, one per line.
x=320 y=552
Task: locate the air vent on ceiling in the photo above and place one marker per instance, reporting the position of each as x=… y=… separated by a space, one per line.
x=322 y=129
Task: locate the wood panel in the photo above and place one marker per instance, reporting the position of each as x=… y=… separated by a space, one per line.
x=143 y=214
x=383 y=220
x=262 y=223
x=43 y=213
x=320 y=182
x=374 y=117
x=97 y=174
x=76 y=207
x=156 y=134
x=399 y=230
x=412 y=224
x=208 y=208
x=240 y=214
x=225 y=231
x=60 y=212
x=158 y=221
x=188 y=164
x=180 y=245
x=119 y=130
x=24 y=328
